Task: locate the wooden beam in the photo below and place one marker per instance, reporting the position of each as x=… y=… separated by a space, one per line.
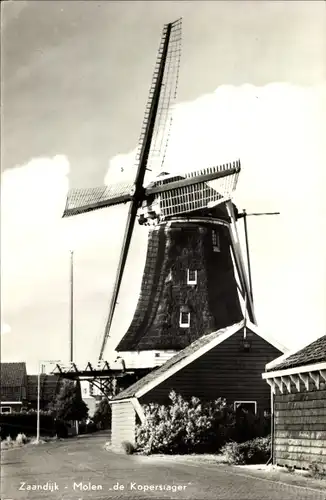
x=305 y=379
x=315 y=377
x=137 y=406
x=58 y=367
x=323 y=374
x=287 y=382
x=296 y=380
x=279 y=383
x=271 y=383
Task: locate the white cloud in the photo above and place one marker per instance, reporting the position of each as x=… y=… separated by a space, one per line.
x=5 y=328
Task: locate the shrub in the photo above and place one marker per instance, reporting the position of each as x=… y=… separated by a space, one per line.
x=184 y=426
x=7 y=443
x=68 y=403
x=317 y=471
x=21 y=439
x=127 y=447
x=102 y=415
x=250 y=452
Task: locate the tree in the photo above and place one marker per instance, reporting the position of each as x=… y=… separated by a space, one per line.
x=68 y=403
x=102 y=415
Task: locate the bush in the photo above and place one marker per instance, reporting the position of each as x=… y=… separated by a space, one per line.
x=7 y=443
x=127 y=447
x=68 y=404
x=102 y=415
x=255 y=451
x=317 y=471
x=21 y=439
x=184 y=426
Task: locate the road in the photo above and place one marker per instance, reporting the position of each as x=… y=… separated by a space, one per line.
x=81 y=469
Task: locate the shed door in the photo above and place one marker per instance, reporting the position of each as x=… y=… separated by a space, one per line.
x=123 y=423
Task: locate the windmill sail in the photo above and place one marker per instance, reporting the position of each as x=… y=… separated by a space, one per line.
x=195 y=190
x=154 y=133
x=86 y=200
x=168 y=93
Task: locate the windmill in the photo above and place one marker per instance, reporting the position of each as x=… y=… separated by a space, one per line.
x=193 y=243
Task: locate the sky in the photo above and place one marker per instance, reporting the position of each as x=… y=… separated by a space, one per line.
x=75 y=78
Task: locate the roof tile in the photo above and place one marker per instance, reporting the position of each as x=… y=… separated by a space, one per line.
x=311 y=354
x=12 y=381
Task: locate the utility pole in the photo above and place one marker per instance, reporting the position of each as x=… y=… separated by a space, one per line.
x=72 y=317
x=71 y=306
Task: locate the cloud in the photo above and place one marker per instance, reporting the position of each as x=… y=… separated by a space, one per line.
x=276 y=130
x=5 y=328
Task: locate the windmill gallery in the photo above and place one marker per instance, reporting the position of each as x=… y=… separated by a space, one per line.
x=194 y=329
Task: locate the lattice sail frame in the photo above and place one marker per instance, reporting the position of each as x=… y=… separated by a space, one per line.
x=197 y=196
x=168 y=94
x=86 y=200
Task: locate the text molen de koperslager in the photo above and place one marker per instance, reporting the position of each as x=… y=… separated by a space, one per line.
x=88 y=486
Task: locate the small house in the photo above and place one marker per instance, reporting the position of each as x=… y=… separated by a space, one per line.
x=298 y=386
x=13 y=387
x=227 y=363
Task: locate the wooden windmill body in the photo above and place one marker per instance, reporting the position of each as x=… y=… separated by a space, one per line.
x=194 y=270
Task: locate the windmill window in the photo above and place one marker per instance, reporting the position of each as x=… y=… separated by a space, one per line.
x=184 y=317
x=216 y=241
x=191 y=277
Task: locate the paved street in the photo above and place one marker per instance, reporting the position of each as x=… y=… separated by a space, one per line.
x=82 y=469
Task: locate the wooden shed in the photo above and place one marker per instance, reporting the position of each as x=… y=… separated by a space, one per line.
x=227 y=363
x=298 y=385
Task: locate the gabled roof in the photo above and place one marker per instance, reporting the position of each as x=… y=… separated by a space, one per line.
x=187 y=356
x=12 y=381
x=312 y=353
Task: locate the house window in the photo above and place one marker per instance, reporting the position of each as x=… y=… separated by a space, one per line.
x=5 y=409
x=191 y=277
x=216 y=241
x=247 y=406
x=184 y=319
